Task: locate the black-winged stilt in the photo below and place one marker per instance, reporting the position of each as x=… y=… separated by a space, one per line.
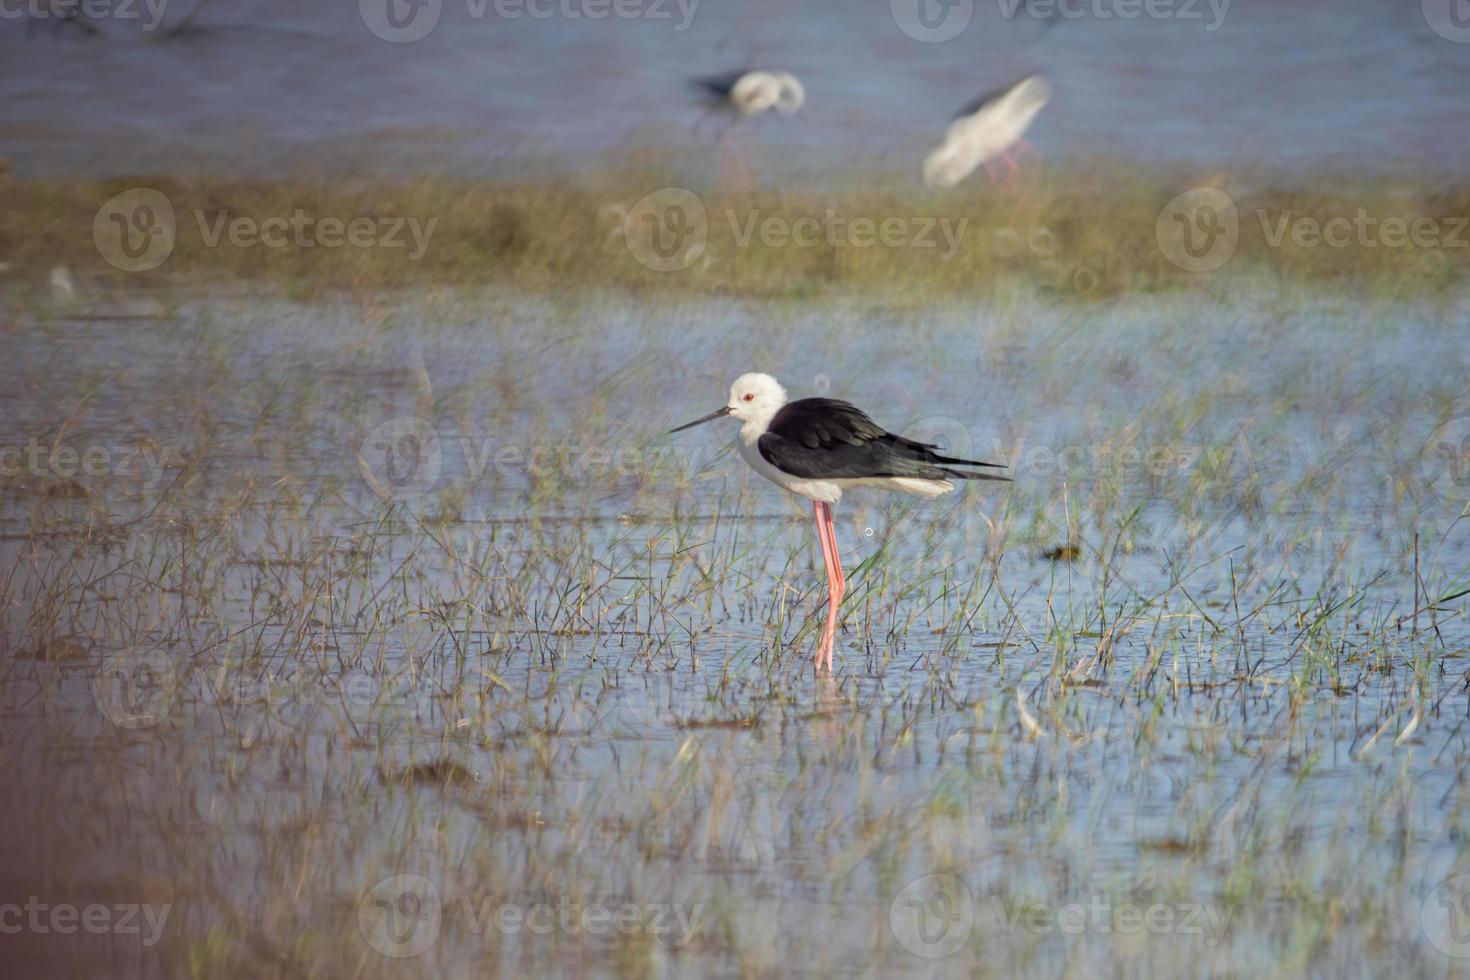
x=819 y=447
x=744 y=93
x=753 y=92
x=986 y=129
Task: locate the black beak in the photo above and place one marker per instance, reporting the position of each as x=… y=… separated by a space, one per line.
x=707 y=418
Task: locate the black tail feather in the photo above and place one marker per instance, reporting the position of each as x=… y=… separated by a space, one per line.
x=928 y=452
x=953 y=461
x=962 y=475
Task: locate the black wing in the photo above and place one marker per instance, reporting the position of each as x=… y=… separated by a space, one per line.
x=719 y=86
x=827 y=439
x=981 y=101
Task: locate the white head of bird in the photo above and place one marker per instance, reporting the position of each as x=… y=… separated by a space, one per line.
x=755 y=399
x=757 y=91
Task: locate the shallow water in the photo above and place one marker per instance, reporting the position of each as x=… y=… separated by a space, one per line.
x=271 y=87
x=226 y=652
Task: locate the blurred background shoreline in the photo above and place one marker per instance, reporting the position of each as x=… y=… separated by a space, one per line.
x=1101 y=234
x=268 y=89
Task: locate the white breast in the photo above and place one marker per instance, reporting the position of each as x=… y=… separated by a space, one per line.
x=827 y=491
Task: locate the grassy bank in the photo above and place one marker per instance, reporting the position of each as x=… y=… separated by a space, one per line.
x=1086 y=233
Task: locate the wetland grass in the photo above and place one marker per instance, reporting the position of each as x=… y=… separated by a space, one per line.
x=240 y=679
x=1089 y=231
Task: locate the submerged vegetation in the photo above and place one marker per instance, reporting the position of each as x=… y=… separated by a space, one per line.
x=1084 y=232
x=392 y=626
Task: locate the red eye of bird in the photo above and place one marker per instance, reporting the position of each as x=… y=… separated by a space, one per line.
x=749 y=397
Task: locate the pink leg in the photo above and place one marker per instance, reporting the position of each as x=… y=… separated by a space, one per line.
x=824 y=646
x=994 y=172
x=836 y=583
x=836 y=558
x=1011 y=159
